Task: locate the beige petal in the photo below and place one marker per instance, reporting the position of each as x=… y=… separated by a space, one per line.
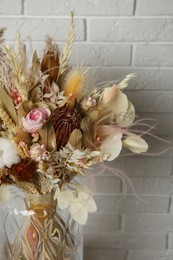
x=78 y=212
x=112 y=146
x=120 y=104
x=126 y=119
x=65 y=198
x=109 y=94
x=87 y=201
x=103 y=130
x=135 y=144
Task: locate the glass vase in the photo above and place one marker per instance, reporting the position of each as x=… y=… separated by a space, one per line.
x=34 y=228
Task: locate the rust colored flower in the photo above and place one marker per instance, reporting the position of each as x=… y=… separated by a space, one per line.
x=65 y=120
x=25 y=170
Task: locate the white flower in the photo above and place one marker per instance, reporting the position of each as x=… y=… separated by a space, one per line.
x=8 y=153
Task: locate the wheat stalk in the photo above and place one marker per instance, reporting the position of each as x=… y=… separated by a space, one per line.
x=65 y=56
x=12 y=59
x=19 y=149
x=6 y=119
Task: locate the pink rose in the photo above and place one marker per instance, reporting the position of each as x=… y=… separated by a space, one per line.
x=35 y=119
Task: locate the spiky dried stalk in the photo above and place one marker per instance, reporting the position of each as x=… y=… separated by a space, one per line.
x=65 y=56
x=17 y=70
x=19 y=149
x=6 y=119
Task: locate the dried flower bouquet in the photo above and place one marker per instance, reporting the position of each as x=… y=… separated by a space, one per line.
x=53 y=127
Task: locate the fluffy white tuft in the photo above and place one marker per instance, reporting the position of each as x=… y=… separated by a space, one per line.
x=8 y=153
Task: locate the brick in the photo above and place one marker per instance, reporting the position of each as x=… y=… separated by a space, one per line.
x=136 y=29
x=122 y=240
x=109 y=223
x=113 y=204
x=95 y=54
x=164 y=122
x=170 y=239
x=146 y=79
x=109 y=185
x=37 y=28
x=156 y=186
x=161 y=148
x=150 y=254
x=103 y=254
x=152 y=101
x=142 y=166
x=85 y=7
x=158 y=7
x=102 y=184
x=101 y=55
x=147 y=55
x=171 y=205
x=147 y=223
x=9 y=7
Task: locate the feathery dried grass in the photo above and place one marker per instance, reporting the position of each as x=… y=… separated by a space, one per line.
x=16 y=68
x=65 y=56
x=74 y=83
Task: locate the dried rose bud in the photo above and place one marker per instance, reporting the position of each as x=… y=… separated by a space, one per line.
x=65 y=120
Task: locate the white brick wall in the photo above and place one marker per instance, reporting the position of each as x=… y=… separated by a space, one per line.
x=117 y=37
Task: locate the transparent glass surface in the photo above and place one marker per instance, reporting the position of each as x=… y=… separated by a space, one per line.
x=34 y=228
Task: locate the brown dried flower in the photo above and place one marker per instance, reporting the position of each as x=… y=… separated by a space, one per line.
x=65 y=120
x=26 y=170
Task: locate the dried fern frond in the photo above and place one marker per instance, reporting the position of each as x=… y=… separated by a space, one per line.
x=65 y=56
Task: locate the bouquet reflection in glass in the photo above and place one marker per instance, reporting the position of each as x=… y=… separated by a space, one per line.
x=53 y=126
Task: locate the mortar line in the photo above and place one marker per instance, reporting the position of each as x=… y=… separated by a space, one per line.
x=134 y=7
x=22 y=7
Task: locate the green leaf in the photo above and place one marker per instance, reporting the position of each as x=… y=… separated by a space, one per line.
x=47 y=136
x=8 y=105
